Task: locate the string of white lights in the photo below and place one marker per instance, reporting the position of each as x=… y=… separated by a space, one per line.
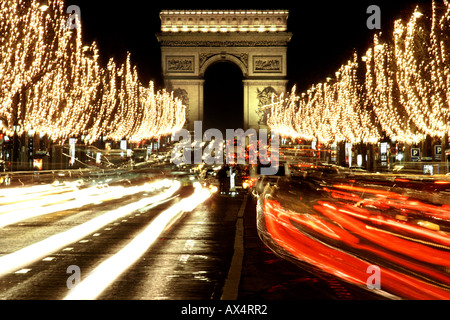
x=51 y=83
x=405 y=93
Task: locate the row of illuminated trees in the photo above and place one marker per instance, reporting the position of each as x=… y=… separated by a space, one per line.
x=53 y=84
x=399 y=89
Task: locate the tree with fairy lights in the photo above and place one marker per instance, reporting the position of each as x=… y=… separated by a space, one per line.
x=405 y=94
x=33 y=43
x=51 y=83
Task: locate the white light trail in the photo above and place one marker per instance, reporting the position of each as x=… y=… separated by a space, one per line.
x=109 y=270
x=23 y=194
x=39 y=250
x=17 y=212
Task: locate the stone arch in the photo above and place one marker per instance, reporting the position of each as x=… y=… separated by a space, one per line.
x=223 y=57
x=240 y=37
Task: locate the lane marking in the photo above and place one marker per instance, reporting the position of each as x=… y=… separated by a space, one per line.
x=231 y=287
x=48 y=259
x=23 y=271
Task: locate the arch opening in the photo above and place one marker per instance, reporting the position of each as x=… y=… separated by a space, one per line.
x=223 y=101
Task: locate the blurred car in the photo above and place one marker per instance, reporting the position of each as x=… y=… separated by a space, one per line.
x=259 y=181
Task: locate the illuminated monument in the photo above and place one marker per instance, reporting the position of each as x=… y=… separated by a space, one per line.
x=254 y=40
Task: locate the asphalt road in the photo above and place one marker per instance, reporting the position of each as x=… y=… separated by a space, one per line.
x=194 y=259
x=186 y=262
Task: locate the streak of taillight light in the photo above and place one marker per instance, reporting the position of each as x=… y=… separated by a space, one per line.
x=378 y=192
x=341 y=264
x=412 y=249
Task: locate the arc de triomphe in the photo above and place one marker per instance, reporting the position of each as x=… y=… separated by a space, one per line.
x=254 y=40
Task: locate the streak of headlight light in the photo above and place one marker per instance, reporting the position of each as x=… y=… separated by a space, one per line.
x=23 y=193
x=109 y=270
x=36 y=251
x=9 y=192
x=9 y=197
x=74 y=199
x=49 y=199
x=80 y=198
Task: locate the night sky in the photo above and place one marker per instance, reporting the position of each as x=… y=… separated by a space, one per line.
x=325 y=32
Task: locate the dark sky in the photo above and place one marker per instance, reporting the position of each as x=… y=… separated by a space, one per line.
x=325 y=32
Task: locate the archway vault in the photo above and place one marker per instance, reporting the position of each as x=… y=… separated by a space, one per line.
x=256 y=41
x=223 y=96
x=208 y=59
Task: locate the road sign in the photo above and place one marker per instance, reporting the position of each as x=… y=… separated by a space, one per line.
x=437 y=152
x=415 y=154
